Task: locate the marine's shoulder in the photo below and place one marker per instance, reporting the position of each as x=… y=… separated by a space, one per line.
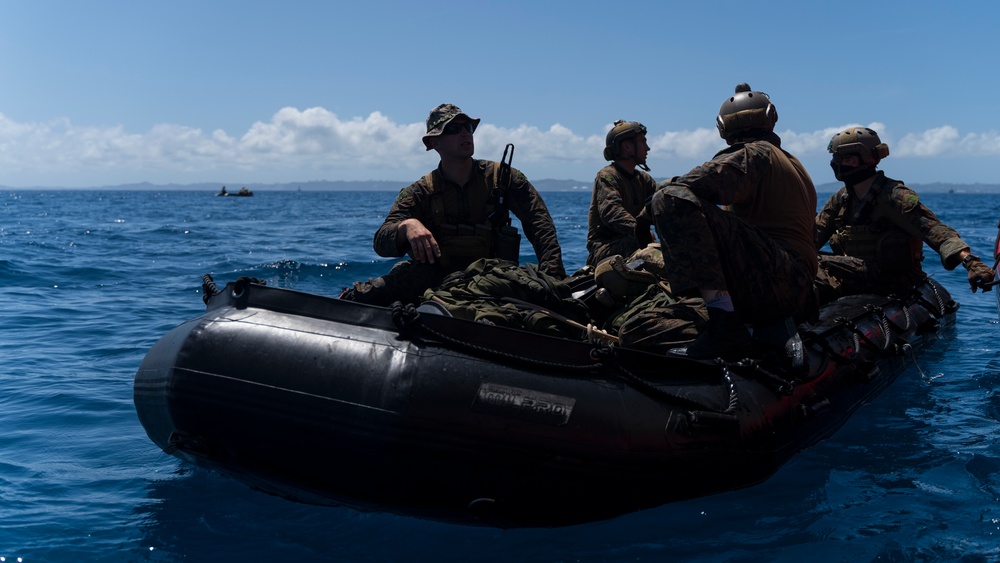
x=838 y=197
x=749 y=146
x=608 y=174
x=424 y=184
x=644 y=177
x=897 y=190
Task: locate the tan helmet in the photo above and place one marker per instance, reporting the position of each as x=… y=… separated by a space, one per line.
x=619 y=132
x=745 y=111
x=861 y=141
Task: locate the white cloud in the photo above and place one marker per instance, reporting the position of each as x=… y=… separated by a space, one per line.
x=980 y=144
x=946 y=141
x=317 y=144
x=698 y=144
x=932 y=142
x=555 y=144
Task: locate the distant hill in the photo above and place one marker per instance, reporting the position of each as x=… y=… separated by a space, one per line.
x=545 y=185
x=931 y=188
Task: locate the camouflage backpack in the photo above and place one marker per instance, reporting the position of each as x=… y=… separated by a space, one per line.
x=502 y=293
x=655 y=320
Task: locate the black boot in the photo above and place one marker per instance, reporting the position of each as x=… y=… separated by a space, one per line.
x=724 y=337
x=782 y=345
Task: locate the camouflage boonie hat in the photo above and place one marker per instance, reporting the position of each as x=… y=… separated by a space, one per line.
x=441 y=116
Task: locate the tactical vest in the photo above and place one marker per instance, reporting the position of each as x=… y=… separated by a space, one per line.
x=464 y=243
x=879 y=242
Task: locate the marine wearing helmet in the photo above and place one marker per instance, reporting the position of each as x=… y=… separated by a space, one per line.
x=621 y=131
x=862 y=143
x=877 y=227
x=746 y=114
x=620 y=193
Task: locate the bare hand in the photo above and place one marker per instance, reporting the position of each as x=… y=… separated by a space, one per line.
x=423 y=247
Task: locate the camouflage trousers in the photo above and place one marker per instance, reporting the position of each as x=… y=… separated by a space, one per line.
x=405 y=282
x=705 y=247
x=846 y=275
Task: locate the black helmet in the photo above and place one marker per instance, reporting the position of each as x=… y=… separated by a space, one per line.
x=619 y=132
x=745 y=111
x=861 y=141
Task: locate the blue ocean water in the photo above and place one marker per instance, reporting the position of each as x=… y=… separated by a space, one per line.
x=91 y=279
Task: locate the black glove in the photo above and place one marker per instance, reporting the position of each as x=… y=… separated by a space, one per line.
x=979 y=275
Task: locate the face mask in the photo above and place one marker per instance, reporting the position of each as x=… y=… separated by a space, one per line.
x=851 y=175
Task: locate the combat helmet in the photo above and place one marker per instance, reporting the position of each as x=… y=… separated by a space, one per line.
x=619 y=132
x=744 y=112
x=623 y=282
x=861 y=141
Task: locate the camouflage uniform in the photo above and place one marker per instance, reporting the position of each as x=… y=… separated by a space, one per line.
x=461 y=206
x=760 y=248
x=877 y=241
x=619 y=196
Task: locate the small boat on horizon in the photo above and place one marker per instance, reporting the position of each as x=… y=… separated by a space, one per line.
x=244 y=192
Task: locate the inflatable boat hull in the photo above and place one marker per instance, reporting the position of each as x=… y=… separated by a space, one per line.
x=331 y=402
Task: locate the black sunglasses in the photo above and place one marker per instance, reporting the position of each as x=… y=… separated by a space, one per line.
x=455 y=128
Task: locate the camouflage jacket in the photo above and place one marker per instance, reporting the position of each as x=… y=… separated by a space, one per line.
x=765 y=186
x=618 y=198
x=890 y=207
x=414 y=201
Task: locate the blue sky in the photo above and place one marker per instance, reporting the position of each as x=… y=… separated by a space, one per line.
x=113 y=92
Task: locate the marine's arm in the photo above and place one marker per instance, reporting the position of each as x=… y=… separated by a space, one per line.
x=610 y=206
x=904 y=209
x=403 y=231
x=908 y=213
x=826 y=219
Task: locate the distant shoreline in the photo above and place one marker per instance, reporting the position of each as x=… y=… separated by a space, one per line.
x=545 y=185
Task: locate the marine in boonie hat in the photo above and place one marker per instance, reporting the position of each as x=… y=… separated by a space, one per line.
x=440 y=117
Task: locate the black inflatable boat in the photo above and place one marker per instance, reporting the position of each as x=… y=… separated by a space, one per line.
x=327 y=401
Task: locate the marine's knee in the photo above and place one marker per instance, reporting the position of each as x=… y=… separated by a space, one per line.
x=671 y=201
x=370 y=292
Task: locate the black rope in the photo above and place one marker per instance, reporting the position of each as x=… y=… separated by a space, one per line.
x=906 y=316
x=728 y=416
x=733 y=396
x=208 y=288
x=887 y=335
x=698 y=411
x=777 y=383
x=651 y=390
x=404 y=316
x=407 y=320
x=886 y=330
x=860 y=335
x=939 y=302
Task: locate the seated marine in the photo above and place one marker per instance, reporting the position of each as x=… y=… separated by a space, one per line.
x=456 y=215
x=620 y=194
x=877 y=228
